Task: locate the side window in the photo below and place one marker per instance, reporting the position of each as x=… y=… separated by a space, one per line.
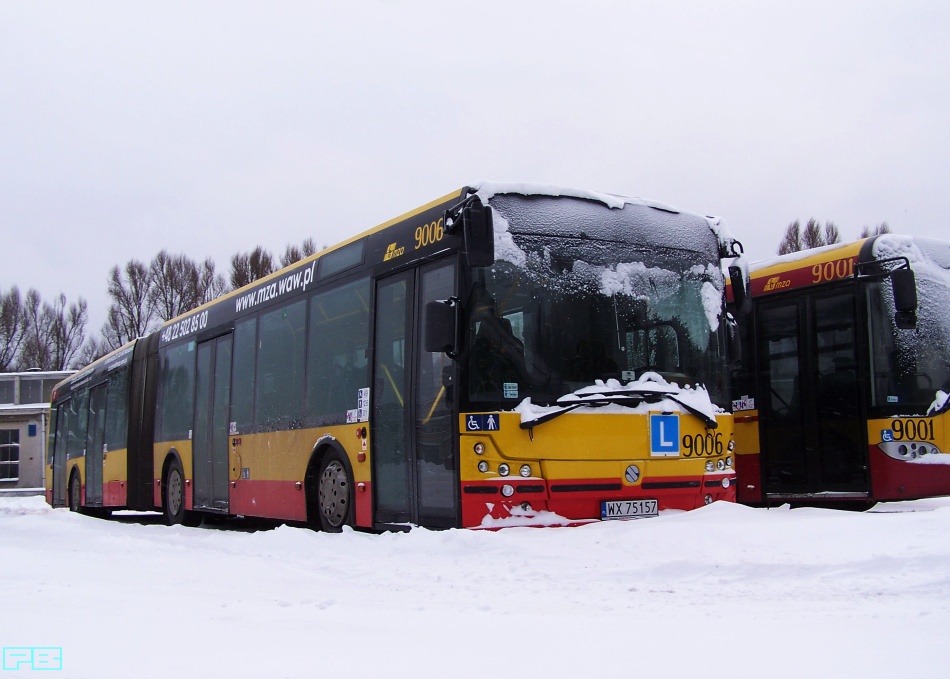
x=176 y=402
x=78 y=416
x=242 y=376
x=280 y=365
x=117 y=410
x=337 y=367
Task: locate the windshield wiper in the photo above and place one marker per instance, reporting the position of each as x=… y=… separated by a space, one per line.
x=628 y=397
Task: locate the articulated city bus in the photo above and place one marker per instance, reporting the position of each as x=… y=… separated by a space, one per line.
x=505 y=355
x=842 y=395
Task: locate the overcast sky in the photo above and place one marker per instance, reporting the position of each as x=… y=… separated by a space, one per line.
x=211 y=127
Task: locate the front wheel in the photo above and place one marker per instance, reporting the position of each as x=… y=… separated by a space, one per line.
x=334 y=495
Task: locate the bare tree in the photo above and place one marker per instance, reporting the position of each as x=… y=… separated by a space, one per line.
x=12 y=328
x=211 y=285
x=812 y=236
x=93 y=350
x=878 y=230
x=294 y=254
x=35 y=352
x=179 y=284
x=132 y=311
x=54 y=332
x=792 y=240
x=832 y=235
x=249 y=267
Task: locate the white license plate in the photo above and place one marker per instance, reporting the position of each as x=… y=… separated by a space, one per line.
x=628 y=509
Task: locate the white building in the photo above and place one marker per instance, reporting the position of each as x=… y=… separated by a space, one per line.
x=24 y=427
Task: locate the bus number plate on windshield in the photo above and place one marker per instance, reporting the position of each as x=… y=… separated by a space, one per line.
x=628 y=509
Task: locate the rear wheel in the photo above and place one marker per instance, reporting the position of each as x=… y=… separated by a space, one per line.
x=75 y=494
x=334 y=495
x=173 y=494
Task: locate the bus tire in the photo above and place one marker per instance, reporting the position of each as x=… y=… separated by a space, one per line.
x=173 y=494
x=75 y=493
x=334 y=494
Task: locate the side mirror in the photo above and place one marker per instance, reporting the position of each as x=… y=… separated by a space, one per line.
x=740 y=295
x=441 y=326
x=904 y=287
x=475 y=221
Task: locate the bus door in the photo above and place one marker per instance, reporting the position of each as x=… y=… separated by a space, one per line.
x=95 y=440
x=811 y=426
x=415 y=443
x=212 y=429
x=59 y=454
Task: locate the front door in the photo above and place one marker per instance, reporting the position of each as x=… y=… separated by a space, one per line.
x=212 y=413
x=95 y=441
x=59 y=455
x=414 y=434
x=812 y=436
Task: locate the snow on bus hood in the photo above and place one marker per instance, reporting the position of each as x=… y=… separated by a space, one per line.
x=672 y=399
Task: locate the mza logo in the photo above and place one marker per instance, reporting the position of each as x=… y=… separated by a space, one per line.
x=392 y=252
x=775 y=284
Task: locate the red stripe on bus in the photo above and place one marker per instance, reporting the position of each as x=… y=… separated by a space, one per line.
x=273 y=499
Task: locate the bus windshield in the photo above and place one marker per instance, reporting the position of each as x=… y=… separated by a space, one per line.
x=574 y=310
x=911 y=366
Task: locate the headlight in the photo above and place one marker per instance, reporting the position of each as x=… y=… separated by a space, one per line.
x=710 y=466
x=503 y=469
x=479 y=448
x=507 y=490
x=720 y=464
x=483 y=466
x=525 y=470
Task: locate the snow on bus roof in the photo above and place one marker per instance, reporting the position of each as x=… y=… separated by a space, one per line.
x=488 y=189
x=796 y=256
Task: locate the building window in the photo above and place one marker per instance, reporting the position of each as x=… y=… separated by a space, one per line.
x=7 y=391
x=9 y=454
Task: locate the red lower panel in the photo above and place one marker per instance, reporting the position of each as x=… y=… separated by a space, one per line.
x=269 y=499
x=364 y=504
x=114 y=494
x=580 y=500
x=749 y=470
x=899 y=480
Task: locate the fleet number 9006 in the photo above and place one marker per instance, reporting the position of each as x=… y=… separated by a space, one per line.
x=709 y=444
x=430 y=233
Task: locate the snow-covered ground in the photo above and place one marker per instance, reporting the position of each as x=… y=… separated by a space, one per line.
x=724 y=591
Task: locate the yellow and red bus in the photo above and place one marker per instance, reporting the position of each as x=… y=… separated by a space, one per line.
x=506 y=354
x=842 y=394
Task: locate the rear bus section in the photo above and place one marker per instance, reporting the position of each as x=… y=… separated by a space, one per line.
x=842 y=393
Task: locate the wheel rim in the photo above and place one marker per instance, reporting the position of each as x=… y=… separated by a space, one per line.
x=334 y=492
x=174 y=492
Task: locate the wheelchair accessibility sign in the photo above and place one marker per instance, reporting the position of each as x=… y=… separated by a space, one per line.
x=489 y=422
x=664 y=435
